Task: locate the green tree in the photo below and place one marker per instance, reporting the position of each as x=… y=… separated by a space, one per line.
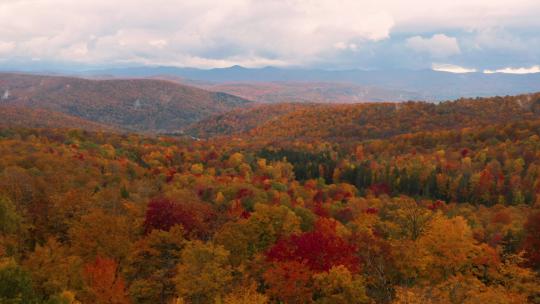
x=152 y=265
x=15 y=284
x=10 y=220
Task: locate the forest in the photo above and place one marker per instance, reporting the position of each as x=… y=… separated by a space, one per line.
x=371 y=203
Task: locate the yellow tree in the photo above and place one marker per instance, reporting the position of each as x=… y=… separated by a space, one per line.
x=92 y=236
x=339 y=286
x=447 y=247
x=245 y=295
x=53 y=269
x=204 y=274
x=257 y=233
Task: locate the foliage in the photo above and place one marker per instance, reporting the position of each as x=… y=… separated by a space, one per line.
x=416 y=203
x=204 y=273
x=320 y=249
x=15 y=284
x=104 y=283
x=532 y=240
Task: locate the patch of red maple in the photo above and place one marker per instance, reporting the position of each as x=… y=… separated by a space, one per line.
x=163 y=214
x=320 y=249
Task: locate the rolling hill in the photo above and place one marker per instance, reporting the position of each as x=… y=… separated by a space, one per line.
x=346 y=122
x=142 y=105
x=12 y=116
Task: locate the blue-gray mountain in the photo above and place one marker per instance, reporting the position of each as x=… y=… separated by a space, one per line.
x=395 y=85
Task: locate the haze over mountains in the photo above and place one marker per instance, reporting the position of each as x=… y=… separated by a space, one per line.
x=297 y=91
x=353 y=85
x=272 y=84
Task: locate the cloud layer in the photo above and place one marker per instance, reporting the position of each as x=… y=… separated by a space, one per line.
x=439 y=45
x=203 y=33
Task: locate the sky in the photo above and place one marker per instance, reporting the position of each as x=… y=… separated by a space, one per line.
x=491 y=36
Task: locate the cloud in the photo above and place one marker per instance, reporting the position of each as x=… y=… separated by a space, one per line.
x=6 y=47
x=451 y=68
x=346 y=46
x=530 y=70
x=172 y=31
x=160 y=43
x=253 y=32
x=438 y=45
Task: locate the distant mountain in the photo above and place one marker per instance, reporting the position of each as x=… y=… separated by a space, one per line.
x=351 y=122
x=421 y=84
x=319 y=92
x=134 y=104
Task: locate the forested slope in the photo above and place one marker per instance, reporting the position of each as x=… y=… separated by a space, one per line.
x=135 y=104
x=448 y=212
x=340 y=123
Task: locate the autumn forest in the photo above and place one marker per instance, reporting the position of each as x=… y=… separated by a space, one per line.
x=200 y=197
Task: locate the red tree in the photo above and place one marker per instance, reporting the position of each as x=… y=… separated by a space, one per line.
x=104 y=282
x=320 y=249
x=195 y=217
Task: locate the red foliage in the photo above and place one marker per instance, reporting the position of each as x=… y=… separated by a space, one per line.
x=487 y=180
x=170 y=175
x=502 y=217
x=495 y=240
x=160 y=215
x=212 y=155
x=289 y=282
x=163 y=214
x=371 y=210
x=319 y=197
x=437 y=205
x=379 y=189
x=104 y=282
x=344 y=215
x=320 y=249
x=320 y=211
x=243 y=193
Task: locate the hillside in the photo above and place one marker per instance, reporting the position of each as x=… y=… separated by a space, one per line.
x=339 y=123
x=11 y=116
x=134 y=104
x=243 y=120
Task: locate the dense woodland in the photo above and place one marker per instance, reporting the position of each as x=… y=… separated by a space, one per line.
x=140 y=105
x=411 y=203
x=341 y=123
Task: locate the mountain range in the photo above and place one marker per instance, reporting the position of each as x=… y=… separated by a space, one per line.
x=399 y=85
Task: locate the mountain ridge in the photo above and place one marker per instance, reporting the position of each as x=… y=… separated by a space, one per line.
x=143 y=105
x=427 y=84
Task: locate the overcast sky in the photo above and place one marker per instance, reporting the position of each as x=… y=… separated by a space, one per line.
x=454 y=35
